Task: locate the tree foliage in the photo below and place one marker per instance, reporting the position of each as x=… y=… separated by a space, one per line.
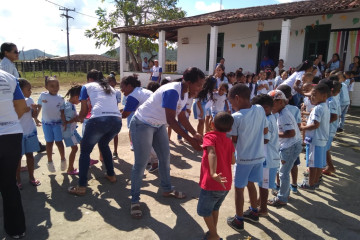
x=130 y=13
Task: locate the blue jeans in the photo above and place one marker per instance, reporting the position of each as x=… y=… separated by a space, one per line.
x=288 y=155
x=99 y=130
x=344 y=109
x=179 y=137
x=144 y=137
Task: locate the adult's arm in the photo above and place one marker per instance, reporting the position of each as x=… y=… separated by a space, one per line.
x=83 y=110
x=20 y=107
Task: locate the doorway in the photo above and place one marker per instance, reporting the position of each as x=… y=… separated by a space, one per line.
x=269 y=46
x=316 y=41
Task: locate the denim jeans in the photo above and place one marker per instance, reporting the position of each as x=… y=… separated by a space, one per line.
x=98 y=130
x=288 y=155
x=179 y=137
x=144 y=137
x=344 y=109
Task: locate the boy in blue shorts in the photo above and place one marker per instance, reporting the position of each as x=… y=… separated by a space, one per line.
x=272 y=158
x=247 y=133
x=316 y=135
x=215 y=176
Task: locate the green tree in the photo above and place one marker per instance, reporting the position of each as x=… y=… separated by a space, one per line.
x=130 y=13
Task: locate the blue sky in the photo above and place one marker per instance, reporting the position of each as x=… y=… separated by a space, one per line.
x=36 y=24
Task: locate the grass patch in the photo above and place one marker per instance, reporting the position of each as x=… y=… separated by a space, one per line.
x=37 y=79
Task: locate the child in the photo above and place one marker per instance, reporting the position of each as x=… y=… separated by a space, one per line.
x=218 y=103
x=253 y=86
x=215 y=175
x=344 y=101
x=281 y=78
x=156 y=72
x=232 y=79
x=247 y=133
x=69 y=118
x=317 y=135
x=290 y=146
x=272 y=158
x=53 y=106
x=270 y=77
x=263 y=85
x=350 y=81
x=112 y=82
x=220 y=75
x=30 y=142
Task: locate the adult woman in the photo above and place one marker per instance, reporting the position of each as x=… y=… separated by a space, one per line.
x=148 y=129
x=335 y=63
x=9 y=53
x=13 y=106
x=103 y=125
x=355 y=65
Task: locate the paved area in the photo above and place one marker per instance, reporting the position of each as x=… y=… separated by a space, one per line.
x=104 y=213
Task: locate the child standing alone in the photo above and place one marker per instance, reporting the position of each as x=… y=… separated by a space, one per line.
x=215 y=176
x=52 y=104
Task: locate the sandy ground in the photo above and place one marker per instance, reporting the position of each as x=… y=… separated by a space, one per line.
x=104 y=213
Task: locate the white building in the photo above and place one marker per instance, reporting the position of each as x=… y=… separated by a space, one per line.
x=291 y=31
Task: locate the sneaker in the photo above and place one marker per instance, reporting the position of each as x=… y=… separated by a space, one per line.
x=274 y=192
x=63 y=165
x=235 y=224
x=251 y=215
x=306 y=187
x=293 y=188
x=93 y=162
x=51 y=167
x=115 y=156
x=339 y=130
x=153 y=169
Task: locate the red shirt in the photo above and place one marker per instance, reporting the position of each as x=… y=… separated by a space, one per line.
x=224 y=149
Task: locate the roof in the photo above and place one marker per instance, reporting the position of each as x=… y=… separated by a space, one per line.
x=85 y=57
x=285 y=10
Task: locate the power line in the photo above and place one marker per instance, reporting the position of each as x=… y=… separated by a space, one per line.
x=73 y=11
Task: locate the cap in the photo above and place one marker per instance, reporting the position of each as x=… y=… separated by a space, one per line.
x=277 y=94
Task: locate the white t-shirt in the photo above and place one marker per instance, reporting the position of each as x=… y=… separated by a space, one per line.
x=26 y=121
x=271 y=86
x=285 y=122
x=278 y=81
x=9 y=91
x=272 y=157
x=218 y=102
x=249 y=127
x=277 y=69
x=262 y=91
x=51 y=106
x=155 y=73
x=319 y=136
x=9 y=67
x=102 y=104
x=145 y=65
x=334 y=107
x=308 y=105
x=70 y=113
x=118 y=96
x=290 y=81
x=295 y=111
x=219 y=82
x=152 y=111
x=137 y=97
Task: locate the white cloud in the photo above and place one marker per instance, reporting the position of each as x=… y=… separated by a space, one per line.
x=204 y=8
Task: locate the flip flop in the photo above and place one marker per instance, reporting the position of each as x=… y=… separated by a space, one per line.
x=327 y=173
x=35 y=182
x=175 y=194
x=135 y=211
x=77 y=190
x=73 y=172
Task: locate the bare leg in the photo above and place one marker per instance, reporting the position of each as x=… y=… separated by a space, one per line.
x=252 y=194
x=60 y=146
x=277 y=179
x=210 y=223
x=169 y=133
x=239 y=201
x=330 y=167
x=49 y=148
x=264 y=194
x=207 y=124
x=294 y=175
x=200 y=126
x=312 y=176
x=318 y=174
x=30 y=165
x=72 y=155
x=116 y=140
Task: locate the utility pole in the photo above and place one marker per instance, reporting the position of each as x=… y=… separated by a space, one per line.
x=67 y=33
x=220 y=4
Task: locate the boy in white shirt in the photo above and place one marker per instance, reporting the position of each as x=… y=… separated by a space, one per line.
x=156 y=72
x=263 y=85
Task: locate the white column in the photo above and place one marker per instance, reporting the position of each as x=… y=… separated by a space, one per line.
x=285 y=39
x=213 y=48
x=162 y=49
x=122 y=54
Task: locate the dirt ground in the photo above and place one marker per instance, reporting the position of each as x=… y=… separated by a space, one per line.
x=104 y=213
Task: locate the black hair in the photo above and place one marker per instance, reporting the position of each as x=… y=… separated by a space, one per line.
x=6 y=47
x=337 y=55
x=223 y=121
x=230 y=75
x=334 y=78
x=263 y=100
x=238 y=74
x=74 y=91
x=316 y=80
x=304 y=66
x=98 y=77
x=153 y=86
x=164 y=81
x=322 y=88
x=193 y=74
x=222 y=68
x=328 y=82
x=132 y=80
x=281 y=72
x=111 y=78
x=336 y=86
x=286 y=90
x=226 y=86
x=23 y=83
x=241 y=90
x=48 y=79
x=208 y=88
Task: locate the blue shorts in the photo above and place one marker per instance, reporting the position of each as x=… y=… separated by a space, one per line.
x=52 y=132
x=245 y=173
x=328 y=144
x=30 y=144
x=73 y=140
x=315 y=156
x=268 y=176
x=196 y=110
x=210 y=201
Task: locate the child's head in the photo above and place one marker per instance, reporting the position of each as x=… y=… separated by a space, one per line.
x=52 y=85
x=265 y=101
x=128 y=84
x=25 y=87
x=286 y=90
x=111 y=80
x=223 y=89
x=306 y=66
x=341 y=76
x=220 y=71
x=316 y=80
x=319 y=94
x=153 y=86
x=262 y=75
x=231 y=77
x=307 y=87
x=239 y=76
x=279 y=99
x=239 y=96
x=208 y=88
x=329 y=83
x=307 y=77
x=165 y=81
x=156 y=63
x=337 y=88
x=284 y=74
x=348 y=74
x=223 y=122
x=255 y=78
x=74 y=94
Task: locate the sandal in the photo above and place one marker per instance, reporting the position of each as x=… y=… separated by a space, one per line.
x=35 y=182
x=328 y=173
x=275 y=202
x=73 y=172
x=175 y=194
x=111 y=179
x=79 y=191
x=135 y=211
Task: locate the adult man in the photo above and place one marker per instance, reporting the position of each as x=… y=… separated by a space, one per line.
x=145 y=65
x=156 y=71
x=267 y=63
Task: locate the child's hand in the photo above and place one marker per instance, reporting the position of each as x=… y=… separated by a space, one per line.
x=38 y=123
x=34 y=107
x=217 y=177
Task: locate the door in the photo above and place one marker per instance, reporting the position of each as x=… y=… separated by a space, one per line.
x=269 y=46
x=316 y=41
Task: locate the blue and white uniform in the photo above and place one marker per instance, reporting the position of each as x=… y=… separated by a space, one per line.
x=334 y=108
x=217 y=104
x=137 y=97
x=70 y=135
x=155 y=73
